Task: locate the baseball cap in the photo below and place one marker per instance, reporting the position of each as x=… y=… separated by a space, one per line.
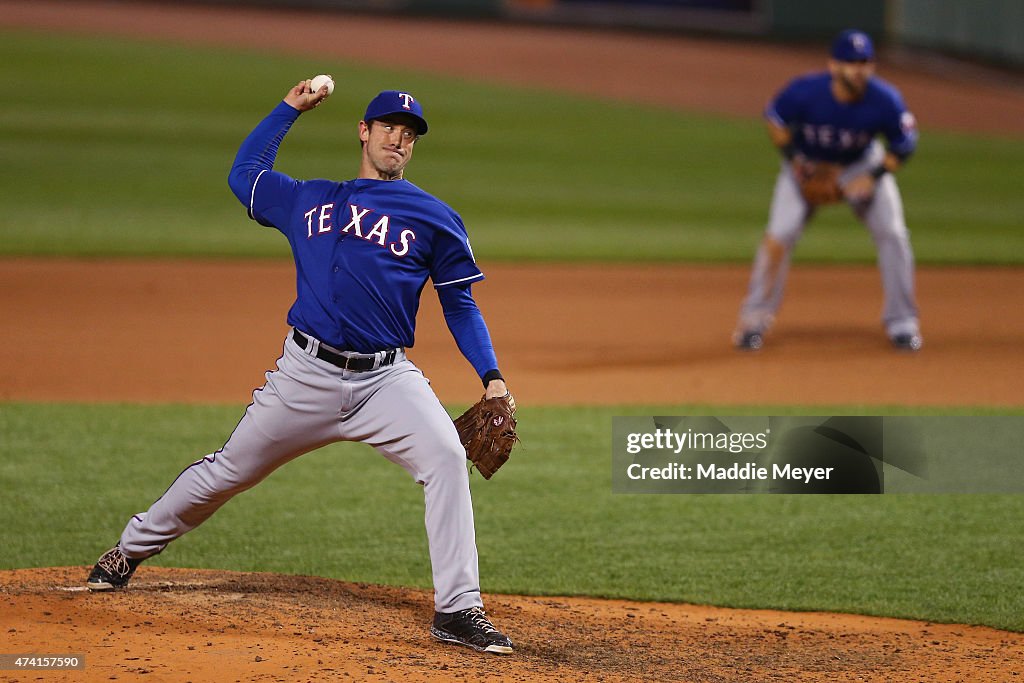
x=853 y=46
x=396 y=102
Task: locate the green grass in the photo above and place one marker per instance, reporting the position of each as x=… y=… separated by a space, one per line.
x=71 y=475
x=127 y=153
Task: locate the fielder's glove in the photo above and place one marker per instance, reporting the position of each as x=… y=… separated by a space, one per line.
x=488 y=432
x=819 y=181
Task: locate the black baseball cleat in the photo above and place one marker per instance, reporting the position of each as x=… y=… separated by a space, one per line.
x=907 y=342
x=472 y=628
x=112 y=570
x=749 y=341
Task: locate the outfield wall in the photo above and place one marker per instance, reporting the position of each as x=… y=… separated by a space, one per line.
x=992 y=30
x=987 y=30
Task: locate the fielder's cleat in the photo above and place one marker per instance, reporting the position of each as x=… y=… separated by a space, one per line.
x=749 y=341
x=907 y=342
x=472 y=628
x=112 y=570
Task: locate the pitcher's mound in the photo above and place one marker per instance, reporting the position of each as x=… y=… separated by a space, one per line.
x=201 y=625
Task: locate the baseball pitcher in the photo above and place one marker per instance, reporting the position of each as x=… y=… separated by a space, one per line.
x=827 y=126
x=363 y=251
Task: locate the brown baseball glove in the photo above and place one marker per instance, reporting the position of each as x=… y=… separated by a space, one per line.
x=819 y=181
x=488 y=432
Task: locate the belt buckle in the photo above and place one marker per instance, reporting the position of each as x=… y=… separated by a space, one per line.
x=352 y=362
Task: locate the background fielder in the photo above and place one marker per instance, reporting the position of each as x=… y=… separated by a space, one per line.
x=363 y=251
x=834 y=118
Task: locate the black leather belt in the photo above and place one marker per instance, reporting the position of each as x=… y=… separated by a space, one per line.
x=359 y=363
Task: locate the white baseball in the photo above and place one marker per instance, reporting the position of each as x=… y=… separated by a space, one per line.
x=318 y=82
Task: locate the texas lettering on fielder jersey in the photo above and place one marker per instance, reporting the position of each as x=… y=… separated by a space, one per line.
x=363 y=248
x=828 y=130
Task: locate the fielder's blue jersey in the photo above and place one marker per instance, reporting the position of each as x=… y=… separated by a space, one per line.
x=828 y=130
x=363 y=248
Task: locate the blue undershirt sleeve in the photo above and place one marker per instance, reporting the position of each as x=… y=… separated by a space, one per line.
x=258 y=152
x=467 y=326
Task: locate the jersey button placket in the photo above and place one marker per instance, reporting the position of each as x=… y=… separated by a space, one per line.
x=335 y=269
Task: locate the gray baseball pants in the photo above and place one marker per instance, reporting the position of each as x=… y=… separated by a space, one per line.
x=789 y=215
x=307 y=403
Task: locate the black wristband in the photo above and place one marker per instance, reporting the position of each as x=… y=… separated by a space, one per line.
x=788 y=150
x=879 y=171
x=492 y=374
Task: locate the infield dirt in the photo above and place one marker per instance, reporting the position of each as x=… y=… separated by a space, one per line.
x=205 y=332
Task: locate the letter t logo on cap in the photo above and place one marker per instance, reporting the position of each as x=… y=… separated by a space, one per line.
x=406 y=98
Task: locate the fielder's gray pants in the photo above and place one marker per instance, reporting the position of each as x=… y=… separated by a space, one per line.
x=307 y=403
x=883 y=216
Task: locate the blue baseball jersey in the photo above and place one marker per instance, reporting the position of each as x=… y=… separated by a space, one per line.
x=828 y=130
x=363 y=249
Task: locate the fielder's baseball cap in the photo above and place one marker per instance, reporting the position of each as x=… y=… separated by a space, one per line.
x=396 y=102
x=853 y=46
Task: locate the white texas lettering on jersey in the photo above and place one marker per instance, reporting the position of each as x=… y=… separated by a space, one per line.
x=323 y=219
x=377 y=234
x=405 y=239
x=380 y=229
x=357 y=219
x=829 y=137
